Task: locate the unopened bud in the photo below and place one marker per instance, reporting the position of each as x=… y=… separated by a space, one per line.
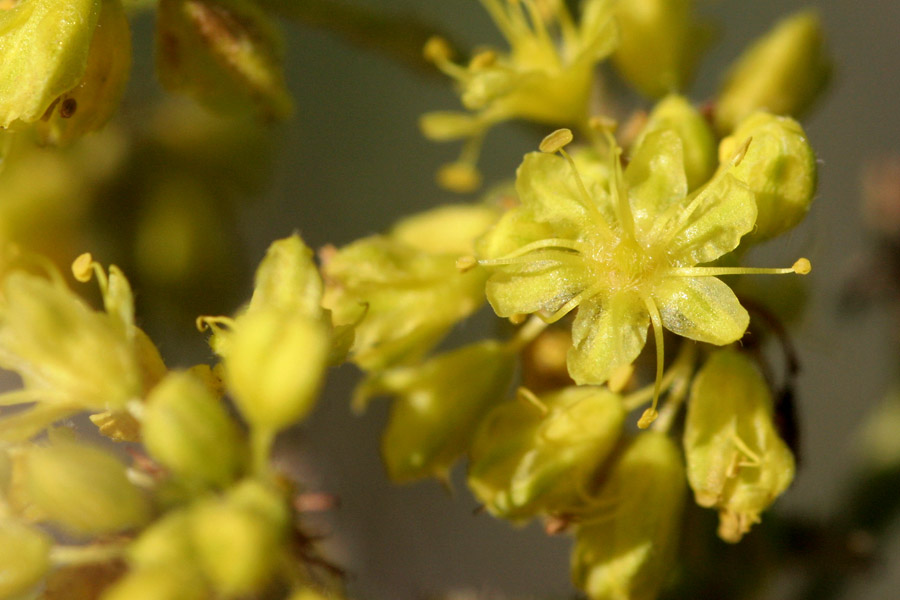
x=698 y=141
x=630 y=549
x=541 y=456
x=237 y=548
x=93 y=101
x=45 y=49
x=287 y=279
x=167 y=542
x=779 y=167
x=782 y=73
x=225 y=53
x=449 y=229
x=274 y=366
x=736 y=462
x=83 y=488
x=437 y=407
x=659 y=44
x=188 y=431
x=172 y=582
x=24 y=557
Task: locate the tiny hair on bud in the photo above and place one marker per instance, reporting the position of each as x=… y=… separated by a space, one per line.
x=556 y=141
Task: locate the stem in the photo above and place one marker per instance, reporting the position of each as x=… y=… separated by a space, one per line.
x=526 y=334
x=261 y=441
x=81 y=555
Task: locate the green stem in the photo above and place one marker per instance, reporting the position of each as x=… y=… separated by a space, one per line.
x=261 y=441
x=82 y=555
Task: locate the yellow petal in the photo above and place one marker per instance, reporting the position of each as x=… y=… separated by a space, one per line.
x=607 y=334
x=701 y=308
x=655 y=179
x=547 y=281
x=710 y=223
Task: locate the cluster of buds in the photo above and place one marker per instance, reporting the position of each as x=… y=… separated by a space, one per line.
x=199 y=512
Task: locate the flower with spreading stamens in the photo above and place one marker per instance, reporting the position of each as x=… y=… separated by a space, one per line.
x=625 y=253
x=545 y=77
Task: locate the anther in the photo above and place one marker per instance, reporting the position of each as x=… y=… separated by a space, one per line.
x=437 y=50
x=459 y=177
x=83 y=267
x=466 y=263
x=483 y=60
x=802 y=266
x=556 y=141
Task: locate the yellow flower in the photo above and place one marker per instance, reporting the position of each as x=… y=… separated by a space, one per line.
x=544 y=78
x=624 y=254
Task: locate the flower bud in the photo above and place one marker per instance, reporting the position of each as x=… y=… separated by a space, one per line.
x=263 y=499
x=403 y=299
x=437 y=407
x=24 y=557
x=630 y=549
x=782 y=73
x=225 y=53
x=679 y=115
x=188 y=431
x=659 y=44
x=83 y=488
x=779 y=167
x=274 y=366
x=287 y=279
x=44 y=44
x=172 y=582
x=541 y=456
x=736 y=462
x=93 y=101
x=237 y=547
x=449 y=229
x=165 y=543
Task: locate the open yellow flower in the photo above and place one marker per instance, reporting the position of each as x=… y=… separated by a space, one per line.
x=545 y=77
x=623 y=251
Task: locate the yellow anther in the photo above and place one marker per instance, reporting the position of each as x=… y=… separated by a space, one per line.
x=483 y=60
x=465 y=263
x=620 y=378
x=802 y=266
x=459 y=177
x=83 y=267
x=647 y=418
x=556 y=141
x=437 y=50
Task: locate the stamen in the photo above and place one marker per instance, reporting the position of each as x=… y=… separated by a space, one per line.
x=437 y=50
x=651 y=413
x=556 y=141
x=620 y=196
x=466 y=263
x=525 y=395
x=483 y=60
x=461 y=177
x=84 y=267
x=571 y=304
x=801 y=267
